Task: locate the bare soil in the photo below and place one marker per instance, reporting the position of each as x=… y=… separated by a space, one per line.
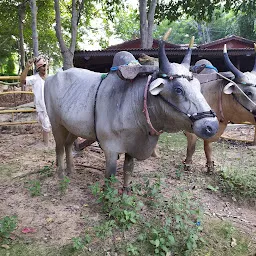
x=57 y=218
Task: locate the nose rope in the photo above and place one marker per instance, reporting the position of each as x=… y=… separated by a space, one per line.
x=194 y=117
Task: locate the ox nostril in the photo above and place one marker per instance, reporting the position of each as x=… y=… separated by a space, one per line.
x=208 y=129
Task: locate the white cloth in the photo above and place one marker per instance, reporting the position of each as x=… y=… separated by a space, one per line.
x=37 y=84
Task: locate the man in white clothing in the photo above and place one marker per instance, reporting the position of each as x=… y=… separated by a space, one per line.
x=37 y=83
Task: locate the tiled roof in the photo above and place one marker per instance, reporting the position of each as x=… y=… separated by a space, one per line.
x=227 y=39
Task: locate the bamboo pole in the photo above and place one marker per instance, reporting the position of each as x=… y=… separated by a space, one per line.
x=17 y=111
x=9 y=77
x=17 y=123
x=16 y=92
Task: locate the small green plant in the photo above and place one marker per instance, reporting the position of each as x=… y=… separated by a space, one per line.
x=105 y=229
x=176 y=230
x=79 y=242
x=132 y=250
x=34 y=187
x=63 y=186
x=213 y=189
x=47 y=170
x=120 y=208
x=7 y=225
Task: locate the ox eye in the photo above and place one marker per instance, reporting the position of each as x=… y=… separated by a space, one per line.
x=248 y=93
x=178 y=90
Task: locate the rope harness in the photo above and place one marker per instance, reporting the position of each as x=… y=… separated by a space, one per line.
x=235 y=98
x=194 y=117
x=103 y=76
x=251 y=111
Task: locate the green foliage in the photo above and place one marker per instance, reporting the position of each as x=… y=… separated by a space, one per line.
x=132 y=250
x=7 y=225
x=105 y=229
x=238 y=180
x=34 y=187
x=223 y=239
x=63 y=186
x=77 y=243
x=80 y=242
x=47 y=170
x=178 y=229
x=120 y=208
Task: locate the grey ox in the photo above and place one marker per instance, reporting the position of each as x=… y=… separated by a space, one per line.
x=126 y=111
x=235 y=103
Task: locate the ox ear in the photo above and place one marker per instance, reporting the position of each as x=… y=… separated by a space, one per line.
x=156 y=86
x=229 y=88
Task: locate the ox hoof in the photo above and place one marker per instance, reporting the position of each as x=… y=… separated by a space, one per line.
x=210 y=167
x=187 y=167
x=125 y=191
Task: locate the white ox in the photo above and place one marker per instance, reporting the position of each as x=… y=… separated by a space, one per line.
x=125 y=115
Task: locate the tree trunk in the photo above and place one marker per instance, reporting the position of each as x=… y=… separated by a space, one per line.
x=200 y=32
x=143 y=23
x=34 y=27
x=68 y=53
x=147 y=23
x=22 y=13
x=151 y=15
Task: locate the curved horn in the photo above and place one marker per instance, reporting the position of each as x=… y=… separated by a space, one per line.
x=167 y=34
x=229 y=64
x=187 y=58
x=254 y=68
x=164 y=65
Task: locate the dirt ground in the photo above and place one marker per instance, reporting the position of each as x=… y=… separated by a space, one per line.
x=55 y=219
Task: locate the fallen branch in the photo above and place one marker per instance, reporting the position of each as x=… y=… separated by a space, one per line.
x=91 y=167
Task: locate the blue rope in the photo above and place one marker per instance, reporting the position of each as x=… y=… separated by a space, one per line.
x=211 y=67
x=115 y=68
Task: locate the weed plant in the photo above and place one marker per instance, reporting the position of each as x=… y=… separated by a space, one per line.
x=34 y=187
x=238 y=182
x=158 y=225
x=7 y=225
x=63 y=185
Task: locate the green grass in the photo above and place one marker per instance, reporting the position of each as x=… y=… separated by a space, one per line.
x=223 y=239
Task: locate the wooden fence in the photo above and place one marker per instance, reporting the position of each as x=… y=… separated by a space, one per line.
x=14 y=110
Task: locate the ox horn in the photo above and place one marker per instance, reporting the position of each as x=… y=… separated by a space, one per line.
x=164 y=64
x=187 y=58
x=167 y=34
x=238 y=74
x=254 y=68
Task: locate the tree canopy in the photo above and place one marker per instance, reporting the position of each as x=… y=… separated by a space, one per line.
x=206 y=19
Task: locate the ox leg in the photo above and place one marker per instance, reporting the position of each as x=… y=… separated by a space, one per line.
x=191 y=147
x=60 y=134
x=68 y=148
x=128 y=170
x=111 y=158
x=208 y=154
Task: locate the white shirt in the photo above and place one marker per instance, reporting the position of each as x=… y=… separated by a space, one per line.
x=38 y=89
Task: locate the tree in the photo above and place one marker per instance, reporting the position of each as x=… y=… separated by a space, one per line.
x=147 y=13
x=200 y=10
x=33 y=8
x=68 y=52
